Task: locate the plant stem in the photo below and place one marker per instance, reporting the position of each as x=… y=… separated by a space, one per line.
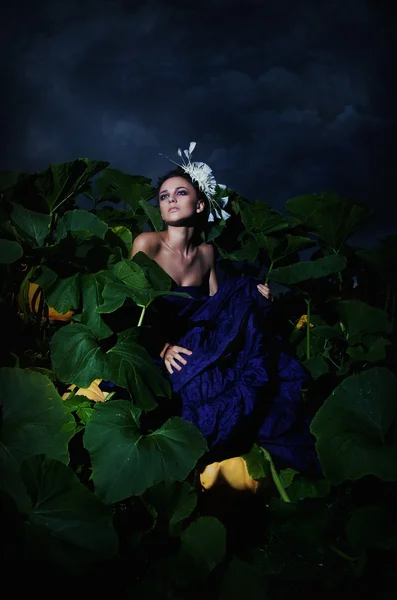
x=269 y=271
x=142 y=315
x=308 y=304
x=275 y=475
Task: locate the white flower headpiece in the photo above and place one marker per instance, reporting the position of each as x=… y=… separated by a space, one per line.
x=202 y=175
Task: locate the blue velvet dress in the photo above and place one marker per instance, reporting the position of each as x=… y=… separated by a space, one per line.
x=241 y=384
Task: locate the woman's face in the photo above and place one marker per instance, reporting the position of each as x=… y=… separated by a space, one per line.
x=178 y=200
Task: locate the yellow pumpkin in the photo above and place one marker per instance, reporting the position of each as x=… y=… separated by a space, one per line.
x=232 y=472
x=93 y=392
x=53 y=315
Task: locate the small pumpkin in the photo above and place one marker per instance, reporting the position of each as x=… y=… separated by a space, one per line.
x=232 y=472
x=34 y=303
x=93 y=392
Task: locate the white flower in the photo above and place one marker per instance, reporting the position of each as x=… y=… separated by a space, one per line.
x=202 y=175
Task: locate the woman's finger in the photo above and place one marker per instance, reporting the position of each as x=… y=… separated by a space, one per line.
x=183 y=350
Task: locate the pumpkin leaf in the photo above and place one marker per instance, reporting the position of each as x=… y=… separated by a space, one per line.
x=360 y=318
x=153 y=213
x=61 y=182
x=352 y=428
x=81 y=224
x=91 y=285
x=112 y=436
x=32 y=227
x=332 y=219
x=304 y=270
x=78 y=358
x=34 y=421
x=173 y=501
x=10 y=251
x=114 y=185
x=67 y=524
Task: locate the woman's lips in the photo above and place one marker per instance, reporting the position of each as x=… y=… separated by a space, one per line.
x=174 y=208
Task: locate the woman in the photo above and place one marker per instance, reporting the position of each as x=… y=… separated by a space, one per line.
x=237 y=382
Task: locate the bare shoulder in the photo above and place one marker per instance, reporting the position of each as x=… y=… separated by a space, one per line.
x=208 y=253
x=147 y=242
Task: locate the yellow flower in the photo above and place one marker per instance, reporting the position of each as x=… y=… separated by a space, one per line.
x=302 y=322
x=93 y=392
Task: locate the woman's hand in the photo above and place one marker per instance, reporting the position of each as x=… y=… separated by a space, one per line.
x=173 y=354
x=264 y=289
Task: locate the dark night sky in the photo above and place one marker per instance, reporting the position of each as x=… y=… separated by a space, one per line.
x=282 y=97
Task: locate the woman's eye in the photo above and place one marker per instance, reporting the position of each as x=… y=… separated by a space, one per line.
x=182 y=192
x=163 y=196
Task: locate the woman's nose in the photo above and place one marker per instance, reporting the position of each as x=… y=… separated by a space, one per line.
x=171 y=197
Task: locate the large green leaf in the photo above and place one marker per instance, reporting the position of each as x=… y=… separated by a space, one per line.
x=359 y=318
x=126 y=462
x=331 y=218
x=128 y=280
x=125 y=236
x=78 y=358
x=91 y=286
x=203 y=547
x=373 y=349
x=353 y=425
x=60 y=182
x=156 y=276
x=61 y=293
x=81 y=224
x=173 y=501
x=130 y=366
x=258 y=216
x=34 y=421
x=249 y=251
x=32 y=227
x=279 y=249
x=67 y=525
x=153 y=213
x=114 y=185
x=317 y=366
x=304 y=270
x=9 y=251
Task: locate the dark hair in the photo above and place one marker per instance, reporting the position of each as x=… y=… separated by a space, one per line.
x=179 y=172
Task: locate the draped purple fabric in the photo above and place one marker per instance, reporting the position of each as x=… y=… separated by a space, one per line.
x=242 y=384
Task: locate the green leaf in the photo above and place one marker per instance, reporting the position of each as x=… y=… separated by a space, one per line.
x=302 y=271
x=302 y=488
x=82 y=224
x=256 y=464
x=9 y=251
x=91 y=290
x=353 y=425
x=76 y=355
x=153 y=213
x=34 y=421
x=374 y=349
x=360 y=318
x=78 y=358
x=62 y=294
x=372 y=526
x=258 y=216
x=61 y=182
x=279 y=249
x=125 y=237
x=203 y=547
x=32 y=227
x=67 y=525
x=114 y=185
x=332 y=219
x=248 y=252
x=243 y=580
x=173 y=502
x=130 y=366
x=156 y=276
x=317 y=366
x=113 y=437
x=287 y=477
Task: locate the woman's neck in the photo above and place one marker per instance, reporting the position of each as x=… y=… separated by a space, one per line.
x=182 y=240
